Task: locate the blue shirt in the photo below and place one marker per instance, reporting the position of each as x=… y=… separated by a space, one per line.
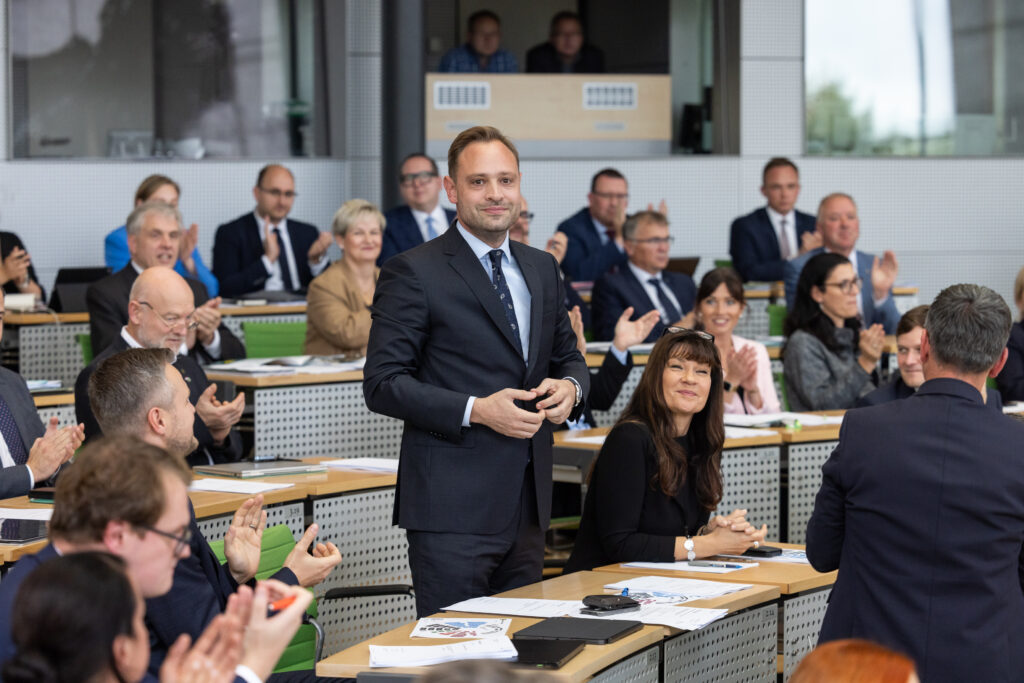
x=463 y=59
x=117 y=256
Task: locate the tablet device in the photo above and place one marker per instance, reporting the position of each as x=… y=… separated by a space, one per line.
x=22 y=530
x=595 y=631
x=546 y=654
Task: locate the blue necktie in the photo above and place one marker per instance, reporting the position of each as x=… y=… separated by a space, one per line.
x=501 y=287
x=282 y=262
x=431 y=233
x=664 y=303
x=12 y=437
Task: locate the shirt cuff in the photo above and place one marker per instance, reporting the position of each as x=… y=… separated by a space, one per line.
x=879 y=302
x=244 y=672
x=469 y=411
x=213 y=348
x=621 y=356
x=31 y=479
x=268 y=265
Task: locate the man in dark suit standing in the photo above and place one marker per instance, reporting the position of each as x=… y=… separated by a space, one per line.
x=471 y=346
x=921 y=508
x=30 y=453
x=154 y=235
x=263 y=249
x=421 y=218
x=643 y=283
x=762 y=241
x=595 y=232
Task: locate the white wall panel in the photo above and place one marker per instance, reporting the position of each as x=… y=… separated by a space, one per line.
x=772 y=29
x=771 y=114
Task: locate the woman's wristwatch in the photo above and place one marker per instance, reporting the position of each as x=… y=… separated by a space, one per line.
x=691 y=555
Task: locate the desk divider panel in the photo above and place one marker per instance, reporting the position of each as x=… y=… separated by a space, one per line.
x=641 y=667
x=66 y=414
x=50 y=351
x=802 y=617
x=234 y=322
x=750 y=481
x=754 y=323
x=607 y=418
x=805 y=461
x=290 y=514
x=737 y=649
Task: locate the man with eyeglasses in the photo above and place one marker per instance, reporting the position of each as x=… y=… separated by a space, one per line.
x=161 y=314
x=154 y=235
x=643 y=282
x=422 y=217
x=595 y=232
x=264 y=250
x=839 y=226
x=139 y=393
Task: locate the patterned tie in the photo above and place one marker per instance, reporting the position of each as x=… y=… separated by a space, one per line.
x=12 y=437
x=664 y=303
x=282 y=261
x=431 y=233
x=787 y=253
x=501 y=287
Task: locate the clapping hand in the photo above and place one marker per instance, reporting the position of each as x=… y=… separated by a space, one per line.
x=271 y=247
x=219 y=416
x=243 y=539
x=741 y=367
x=576 y=320
x=883 y=275
x=319 y=246
x=810 y=241
x=312 y=569
x=632 y=332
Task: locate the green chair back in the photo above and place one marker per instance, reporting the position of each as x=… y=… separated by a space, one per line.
x=780 y=388
x=85 y=344
x=776 y=318
x=269 y=340
x=277 y=543
x=723 y=263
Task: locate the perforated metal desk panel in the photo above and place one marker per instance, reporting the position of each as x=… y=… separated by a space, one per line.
x=806 y=451
x=61 y=406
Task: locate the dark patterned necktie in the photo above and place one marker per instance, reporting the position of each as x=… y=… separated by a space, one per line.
x=12 y=437
x=282 y=261
x=501 y=287
x=664 y=303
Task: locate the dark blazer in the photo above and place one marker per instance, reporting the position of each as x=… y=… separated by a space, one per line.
x=14 y=481
x=618 y=290
x=921 y=508
x=439 y=336
x=626 y=517
x=586 y=259
x=754 y=246
x=9 y=589
x=1011 y=380
x=887 y=314
x=200 y=592
x=238 y=252
x=8 y=241
x=207 y=452
x=892 y=391
x=107 y=301
x=543 y=59
x=402 y=232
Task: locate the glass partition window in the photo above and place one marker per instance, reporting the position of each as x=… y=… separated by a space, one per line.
x=914 y=77
x=162 y=78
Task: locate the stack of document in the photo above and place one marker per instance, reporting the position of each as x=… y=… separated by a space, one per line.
x=35 y=514
x=683 y=589
x=369 y=464
x=43 y=384
x=786 y=418
x=603 y=346
x=249 y=488
x=517 y=607
x=744 y=433
x=424 y=655
x=789 y=555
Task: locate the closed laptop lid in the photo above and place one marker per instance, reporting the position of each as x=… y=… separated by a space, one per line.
x=596 y=631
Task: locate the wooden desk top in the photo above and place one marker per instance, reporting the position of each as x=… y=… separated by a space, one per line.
x=268 y=309
x=594 y=658
x=564 y=439
x=289 y=380
x=49 y=400
x=331 y=482
x=788 y=578
x=13 y=318
x=905 y=291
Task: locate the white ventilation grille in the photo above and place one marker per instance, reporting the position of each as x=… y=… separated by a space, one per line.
x=462 y=95
x=598 y=96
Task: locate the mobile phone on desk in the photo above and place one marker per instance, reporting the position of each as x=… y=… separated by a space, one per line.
x=43 y=494
x=763 y=551
x=607 y=605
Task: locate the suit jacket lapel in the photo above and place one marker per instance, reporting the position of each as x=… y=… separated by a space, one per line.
x=466 y=264
x=769 y=229
x=639 y=292
x=533 y=283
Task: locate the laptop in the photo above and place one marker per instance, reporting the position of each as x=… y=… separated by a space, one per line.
x=262 y=468
x=546 y=654
x=69 y=289
x=22 y=530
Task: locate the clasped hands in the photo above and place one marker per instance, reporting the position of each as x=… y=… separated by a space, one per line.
x=728 y=535
x=500 y=412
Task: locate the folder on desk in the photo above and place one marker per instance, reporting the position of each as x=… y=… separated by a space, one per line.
x=262 y=468
x=596 y=631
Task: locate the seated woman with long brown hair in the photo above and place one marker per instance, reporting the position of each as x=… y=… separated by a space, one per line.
x=658 y=476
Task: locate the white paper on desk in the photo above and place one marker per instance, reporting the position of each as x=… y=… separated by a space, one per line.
x=682 y=618
x=684 y=589
x=517 y=607
x=460 y=627
x=685 y=566
x=252 y=366
x=1010 y=408
x=425 y=655
x=806 y=419
x=368 y=464
x=37 y=514
x=599 y=440
x=790 y=555
x=745 y=433
x=232 y=486
x=39 y=384
x=603 y=346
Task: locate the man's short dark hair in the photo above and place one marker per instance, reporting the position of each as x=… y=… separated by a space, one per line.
x=472 y=135
x=777 y=162
x=968 y=326
x=605 y=173
x=640 y=218
x=126 y=385
x=266 y=169
x=112 y=479
x=418 y=155
x=915 y=317
x=478 y=15
x=560 y=16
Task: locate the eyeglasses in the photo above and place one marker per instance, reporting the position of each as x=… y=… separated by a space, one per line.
x=180 y=542
x=847 y=286
x=277 y=194
x=656 y=241
x=418 y=178
x=528 y=215
x=686 y=330
x=173 y=321
x=613 y=196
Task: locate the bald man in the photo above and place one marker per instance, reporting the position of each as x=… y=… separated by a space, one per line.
x=162 y=314
x=263 y=249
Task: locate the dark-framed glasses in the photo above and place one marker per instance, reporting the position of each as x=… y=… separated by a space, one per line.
x=172 y=321
x=421 y=177
x=686 y=330
x=180 y=542
x=847 y=286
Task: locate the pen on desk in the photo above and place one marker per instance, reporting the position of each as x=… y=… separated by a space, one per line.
x=625 y=591
x=719 y=565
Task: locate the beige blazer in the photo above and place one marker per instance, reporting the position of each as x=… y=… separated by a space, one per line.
x=337 y=318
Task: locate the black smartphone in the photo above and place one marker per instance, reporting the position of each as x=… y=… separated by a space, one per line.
x=605 y=605
x=763 y=551
x=43 y=494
